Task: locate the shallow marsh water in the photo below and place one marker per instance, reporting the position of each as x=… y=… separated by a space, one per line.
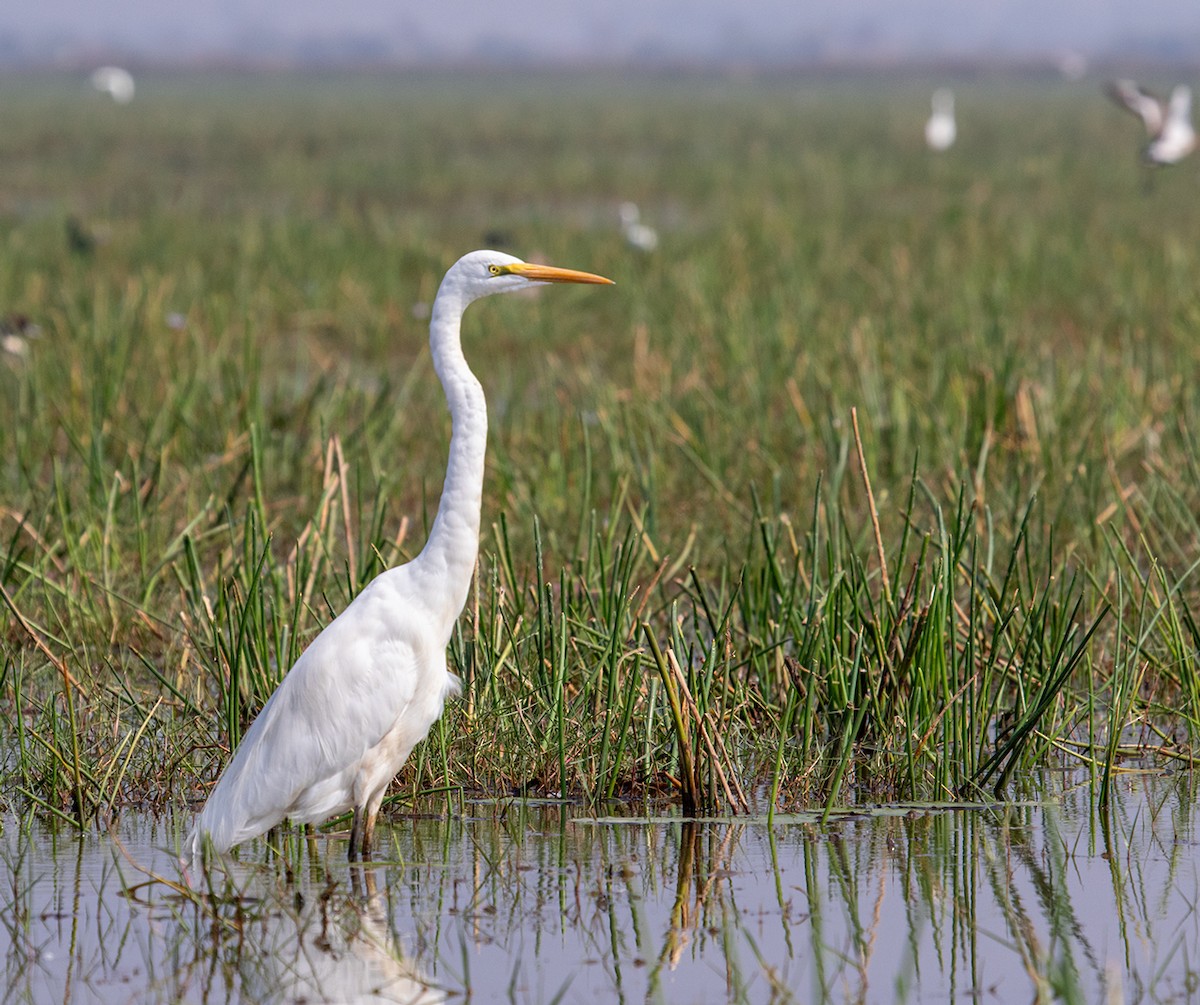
x=513 y=901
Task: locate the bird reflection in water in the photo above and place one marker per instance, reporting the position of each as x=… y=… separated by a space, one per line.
x=332 y=943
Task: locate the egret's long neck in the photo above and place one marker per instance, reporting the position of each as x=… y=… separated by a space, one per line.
x=448 y=558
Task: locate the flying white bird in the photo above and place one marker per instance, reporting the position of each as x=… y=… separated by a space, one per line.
x=1168 y=124
x=365 y=692
x=114 y=81
x=639 y=235
x=940 y=130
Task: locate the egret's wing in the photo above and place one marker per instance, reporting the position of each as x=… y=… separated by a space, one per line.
x=338 y=702
x=1145 y=105
x=344 y=693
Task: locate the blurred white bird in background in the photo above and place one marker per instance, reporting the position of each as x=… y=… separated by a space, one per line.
x=1072 y=64
x=940 y=130
x=637 y=234
x=115 y=82
x=1168 y=124
x=15 y=332
x=346 y=716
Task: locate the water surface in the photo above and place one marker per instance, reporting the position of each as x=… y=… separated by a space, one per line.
x=1042 y=900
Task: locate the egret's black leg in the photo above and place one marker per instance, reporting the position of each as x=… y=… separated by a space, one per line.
x=356 y=835
x=368 y=836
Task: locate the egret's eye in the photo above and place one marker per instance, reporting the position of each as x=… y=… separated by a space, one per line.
x=494 y=270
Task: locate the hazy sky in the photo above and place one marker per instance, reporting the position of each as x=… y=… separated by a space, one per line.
x=561 y=29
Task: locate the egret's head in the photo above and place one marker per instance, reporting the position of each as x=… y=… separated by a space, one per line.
x=482 y=273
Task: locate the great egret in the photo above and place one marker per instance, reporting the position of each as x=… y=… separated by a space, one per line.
x=940 y=129
x=114 y=81
x=365 y=692
x=639 y=235
x=1168 y=124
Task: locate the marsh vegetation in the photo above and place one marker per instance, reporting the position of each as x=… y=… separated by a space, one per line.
x=876 y=481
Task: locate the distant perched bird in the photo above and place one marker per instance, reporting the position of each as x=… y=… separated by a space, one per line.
x=20 y=325
x=115 y=82
x=15 y=332
x=940 y=130
x=1072 y=64
x=498 y=239
x=79 y=239
x=637 y=234
x=350 y=710
x=1168 y=124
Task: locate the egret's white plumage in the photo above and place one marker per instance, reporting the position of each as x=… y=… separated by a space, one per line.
x=639 y=235
x=114 y=81
x=1168 y=124
x=941 y=129
x=366 y=691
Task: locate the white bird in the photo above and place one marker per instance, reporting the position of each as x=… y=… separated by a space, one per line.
x=346 y=716
x=1168 y=124
x=15 y=332
x=115 y=82
x=940 y=130
x=1072 y=64
x=638 y=234
x=1178 y=136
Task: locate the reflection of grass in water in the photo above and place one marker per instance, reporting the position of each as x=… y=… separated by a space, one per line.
x=685 y=584
x=910 y=905
x=840 y=939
